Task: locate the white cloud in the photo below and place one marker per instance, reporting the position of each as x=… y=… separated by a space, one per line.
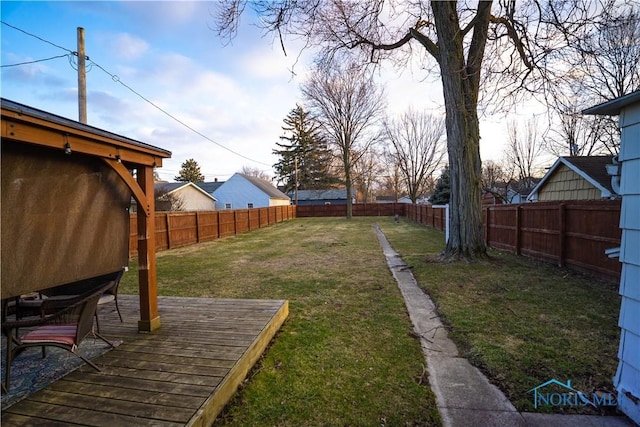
x=127 y=47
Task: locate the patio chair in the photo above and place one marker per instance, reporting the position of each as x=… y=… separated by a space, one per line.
x=110 y=295
x=65 y=323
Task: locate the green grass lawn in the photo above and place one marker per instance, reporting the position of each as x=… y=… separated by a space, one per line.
x=346 y=355
x=520 y=321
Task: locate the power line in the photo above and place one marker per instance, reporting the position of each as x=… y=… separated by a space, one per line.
x=39 y=38
x=35 y=61
x=116 y=79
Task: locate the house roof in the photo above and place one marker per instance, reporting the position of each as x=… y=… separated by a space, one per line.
x=210 y=187
x=591 y=168
x=265 y=187
x=329 y=194
x=172 y=187
x=613 y=107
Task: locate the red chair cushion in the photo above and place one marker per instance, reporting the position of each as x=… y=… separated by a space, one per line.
x=62 y=334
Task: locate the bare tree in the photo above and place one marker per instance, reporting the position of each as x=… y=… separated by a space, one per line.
x=348 y=105
x=523 y=149
x=255 y=172
x=166 y=201
x=603 y=59
x=522 y=41
x=391 y=179
x=418 y=148
x=574 y=134
x=495 y=180
x=366 y=173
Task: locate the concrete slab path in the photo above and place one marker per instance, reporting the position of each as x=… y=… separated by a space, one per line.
x=464 y=396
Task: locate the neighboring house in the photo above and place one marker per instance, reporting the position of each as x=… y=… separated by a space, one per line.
x=627 y=174
x=518 y=195
x=185 y=196
x=245 y=192
x=210 y=187
x=319 y=197
x=575 y=178
x=518 y=191
x=392 y=199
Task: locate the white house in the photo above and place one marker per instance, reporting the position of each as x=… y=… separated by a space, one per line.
x=626 y=177
x=245 y=192
x=186 y=196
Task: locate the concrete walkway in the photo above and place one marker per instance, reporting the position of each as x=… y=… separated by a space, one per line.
x=463 y=394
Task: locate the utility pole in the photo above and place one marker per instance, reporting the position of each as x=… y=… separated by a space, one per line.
x=82 y=78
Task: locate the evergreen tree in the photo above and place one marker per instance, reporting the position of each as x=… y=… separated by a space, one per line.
x=442 y=192
x=303 y=143
x=190 y=172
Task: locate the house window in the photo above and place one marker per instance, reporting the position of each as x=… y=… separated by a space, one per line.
x=227 y=205
x=250 y=205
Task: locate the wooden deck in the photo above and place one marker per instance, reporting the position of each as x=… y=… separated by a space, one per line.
x=182 y=374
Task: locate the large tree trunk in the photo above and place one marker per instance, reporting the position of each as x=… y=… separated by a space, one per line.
x=460 y=83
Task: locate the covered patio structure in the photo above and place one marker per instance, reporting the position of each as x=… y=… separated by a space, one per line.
x=66 y=188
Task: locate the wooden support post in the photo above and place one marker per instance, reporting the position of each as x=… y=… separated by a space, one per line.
x=147 y=275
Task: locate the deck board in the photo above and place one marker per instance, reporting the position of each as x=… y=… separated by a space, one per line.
x=182 y=374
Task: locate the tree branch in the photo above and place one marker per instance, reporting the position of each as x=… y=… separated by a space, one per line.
x=513 y=35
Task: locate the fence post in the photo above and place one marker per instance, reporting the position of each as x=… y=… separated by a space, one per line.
x=518 y=226
x=562 y=232
x=218 y=223
x=486 y=226
x=197 y=227
x=168 y=224
x=235 y=222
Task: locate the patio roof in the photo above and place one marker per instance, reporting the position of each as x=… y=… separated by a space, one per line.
x=89 y=147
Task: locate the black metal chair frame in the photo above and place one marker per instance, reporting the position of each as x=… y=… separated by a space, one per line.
x=110 y=292
x=77 y=311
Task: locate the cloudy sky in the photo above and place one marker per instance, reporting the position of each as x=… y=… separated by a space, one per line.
x=235 y=96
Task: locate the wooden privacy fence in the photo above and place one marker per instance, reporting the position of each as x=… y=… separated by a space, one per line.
x=358 y=209
x=427 y=214
x=571 y=233
x=176 y=229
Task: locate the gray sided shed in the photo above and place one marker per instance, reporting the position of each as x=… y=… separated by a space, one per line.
x=627 y=379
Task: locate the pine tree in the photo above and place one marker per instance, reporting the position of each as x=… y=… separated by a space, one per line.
x=190 y=172
x=442 y=192
x=303 y=142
